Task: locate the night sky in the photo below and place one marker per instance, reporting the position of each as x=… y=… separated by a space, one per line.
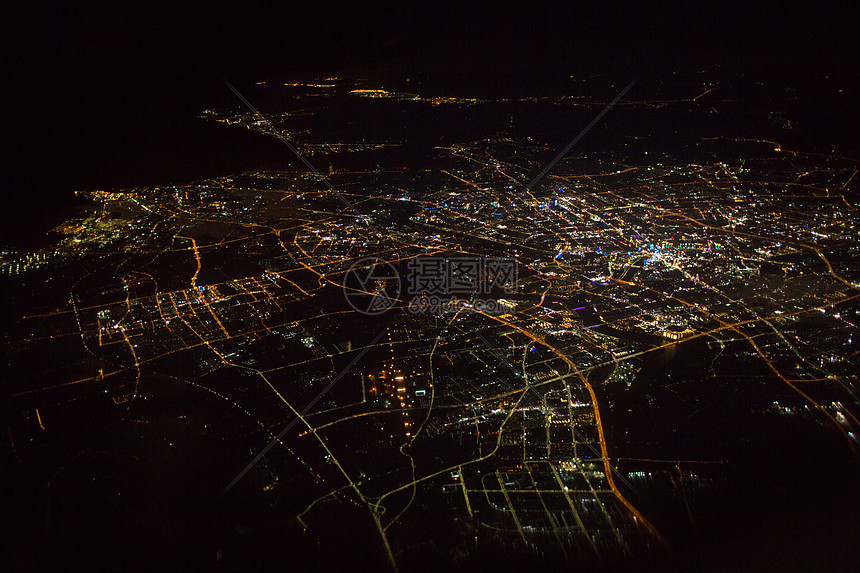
x=105 y=96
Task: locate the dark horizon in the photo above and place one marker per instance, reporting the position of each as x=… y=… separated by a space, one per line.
x=106 y=98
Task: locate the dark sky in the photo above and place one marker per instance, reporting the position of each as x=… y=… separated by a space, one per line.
x=99 y=95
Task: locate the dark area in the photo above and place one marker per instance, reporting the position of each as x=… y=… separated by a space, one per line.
x=100 y=97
